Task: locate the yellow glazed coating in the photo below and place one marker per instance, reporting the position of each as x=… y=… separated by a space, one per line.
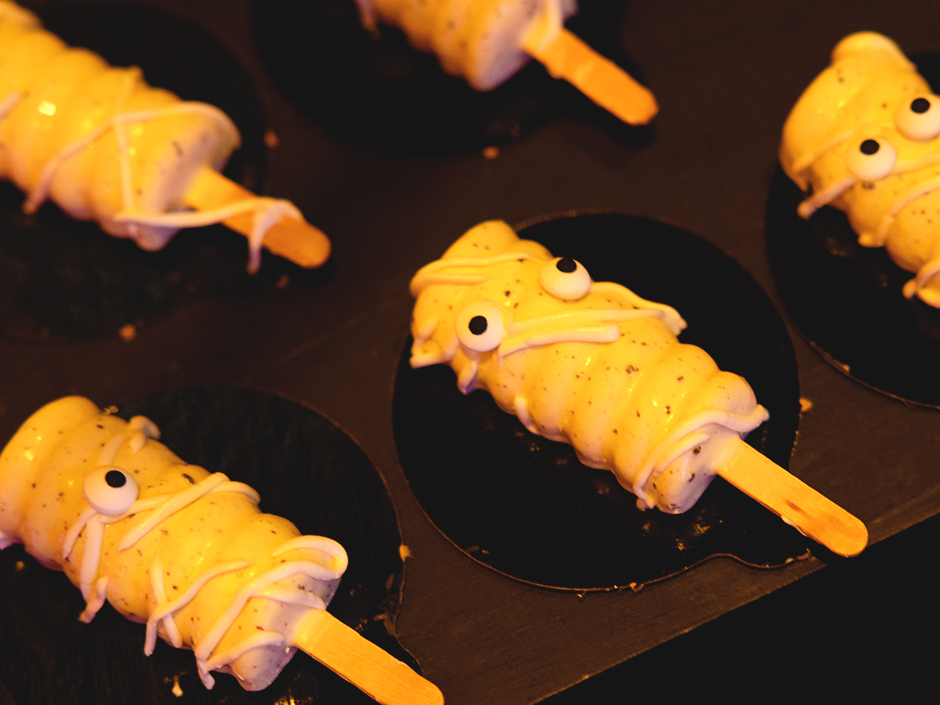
x=192 y=556
x=863 y=138
x=590 y=364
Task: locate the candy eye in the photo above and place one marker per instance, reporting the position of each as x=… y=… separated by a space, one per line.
x=871 y=159
x=565 y=278
x=919 y=119
x=110 y=490
x=480 y=326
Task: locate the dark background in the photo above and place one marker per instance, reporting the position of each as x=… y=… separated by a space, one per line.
x=386 y=156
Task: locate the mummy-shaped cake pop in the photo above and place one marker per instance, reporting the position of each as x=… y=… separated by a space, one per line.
x=184 y=551
x=596 y=366
x=486 y=42
x=105 y=146
x=863 y=138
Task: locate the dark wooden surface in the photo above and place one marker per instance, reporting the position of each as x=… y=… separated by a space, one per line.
x=726 y=74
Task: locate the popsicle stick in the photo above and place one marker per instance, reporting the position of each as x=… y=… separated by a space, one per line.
x=292 y=239
x=796 y=503
x=375 y=672
x=600 y=79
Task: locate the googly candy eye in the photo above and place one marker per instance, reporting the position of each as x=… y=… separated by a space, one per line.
x=480 y=326
x=919 y=119
x=871 y=159
x=110 y=490
x=565 y=278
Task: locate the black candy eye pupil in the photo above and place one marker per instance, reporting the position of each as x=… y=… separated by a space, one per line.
x=920 y=105
x=869 y=147
x=566 y=264
x=115 y=478
x=477 y=325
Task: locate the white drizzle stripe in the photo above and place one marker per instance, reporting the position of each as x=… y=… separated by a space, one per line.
x=8 y=104
x=261 y=639
x=921 y=189
x=580 y=317
x=267 y=212
x=159 y=594
x=71 y=536
x=182 y=499
x=582 y=334
x=249 y=590
x=739 y=423
x=826 y=196
x=667 y=313
x=96 y=601
x=317 y=543
x=92 y=555
x=164 y=610
x=434 y=273
x=41 y=191
x=924 y=275
x=808 y=159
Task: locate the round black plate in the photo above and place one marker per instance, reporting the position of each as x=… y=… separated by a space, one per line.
x=381 y=92
x=846 y=299
x=306 y=469
x=527 y=508
x=61 y=278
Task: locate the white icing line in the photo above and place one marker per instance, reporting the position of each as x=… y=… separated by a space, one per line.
x=96 y=601
x=94 y=536
x=8 y=104
x=41 y=191
x=261 y=639
x=921 y=189
x=433 y=273
x=582 y=334
x=213 y=483
x=826 y=196
x=924 y=275
x=740 y=423
x=267 y=212
x=71 y=536
x=249 y=590
x=164 y=610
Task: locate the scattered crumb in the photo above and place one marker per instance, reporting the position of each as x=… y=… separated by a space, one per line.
x=283 y=281
x=270 y=139
x=177 y=691
x=805 y=404
x=491 y=152
x=19 y=566
x=128 y=332
x=404 y=552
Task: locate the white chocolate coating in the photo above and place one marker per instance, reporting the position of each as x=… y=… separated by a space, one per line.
x=604 y=373
x=478 y=40
x=105 y=146
x=192 y=557
x=854 y=141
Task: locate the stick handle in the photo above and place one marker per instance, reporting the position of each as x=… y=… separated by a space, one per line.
x=292 y=239
x=796 y=503
x=374 y=671
x=600 y=79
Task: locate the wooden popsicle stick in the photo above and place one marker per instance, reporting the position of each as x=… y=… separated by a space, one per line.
x=600 y=79
x=374 y=671
x=796 y=503
x=292 y=239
